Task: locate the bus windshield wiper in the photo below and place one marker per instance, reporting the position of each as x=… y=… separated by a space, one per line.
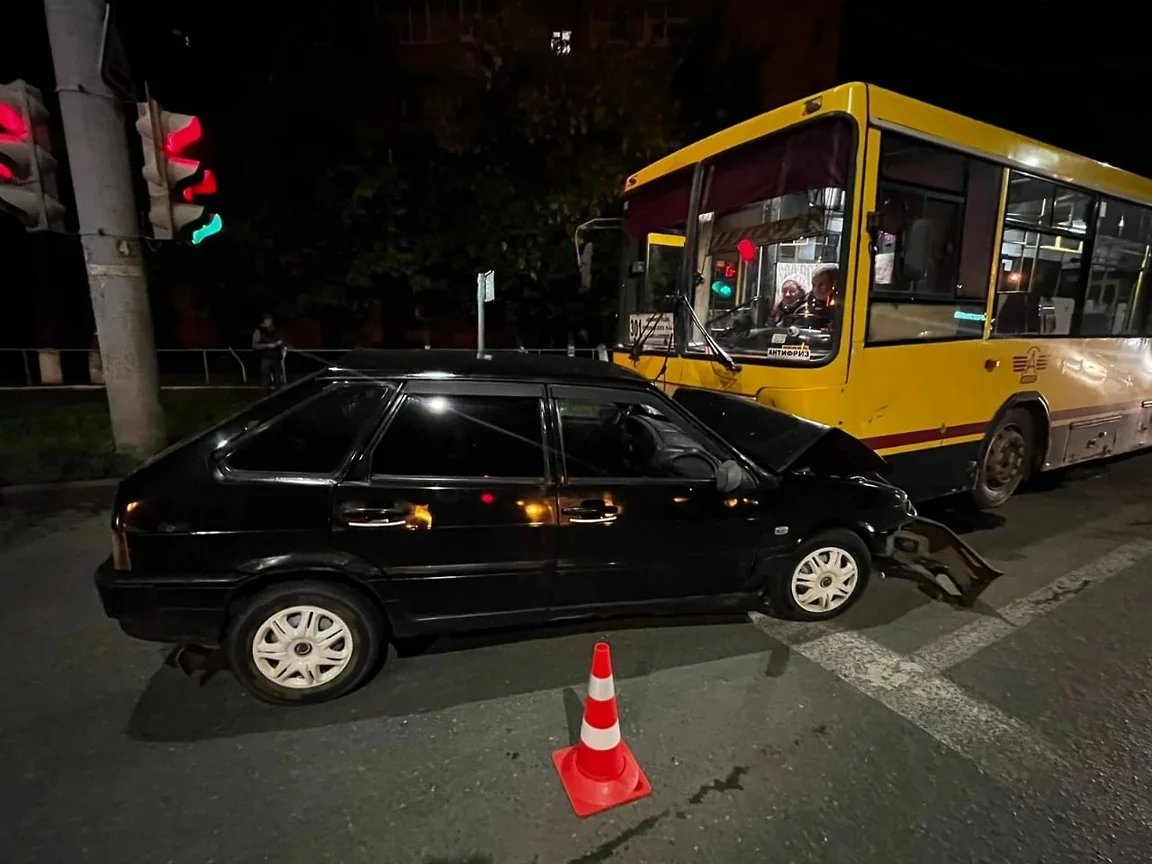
x=650 y=327
x=674 y=301
x=725 y=358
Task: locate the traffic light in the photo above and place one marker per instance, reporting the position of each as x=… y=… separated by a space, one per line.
x=724 y=279
x=176 y=181
x=27 y=167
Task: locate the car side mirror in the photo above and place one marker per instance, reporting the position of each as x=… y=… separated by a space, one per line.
x=729 y=476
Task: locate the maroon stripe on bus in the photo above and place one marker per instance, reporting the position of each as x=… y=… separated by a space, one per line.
x=924 y=436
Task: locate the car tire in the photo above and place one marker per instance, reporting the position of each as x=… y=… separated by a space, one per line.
x=1005 y=460
x=299 y=643
x=832 y=558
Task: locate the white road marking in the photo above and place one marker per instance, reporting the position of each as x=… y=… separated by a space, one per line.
x=1000 y=745
x=1049 y=553
x=959 y=645
x=912 y=686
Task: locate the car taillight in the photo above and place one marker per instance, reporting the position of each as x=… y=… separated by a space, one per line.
x=120 y=559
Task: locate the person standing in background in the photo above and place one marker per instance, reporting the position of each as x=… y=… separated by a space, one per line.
x=268 y=345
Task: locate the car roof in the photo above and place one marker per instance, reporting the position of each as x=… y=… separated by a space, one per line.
x=503 y=365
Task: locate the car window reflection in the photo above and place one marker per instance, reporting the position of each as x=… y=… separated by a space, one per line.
x=463 y=436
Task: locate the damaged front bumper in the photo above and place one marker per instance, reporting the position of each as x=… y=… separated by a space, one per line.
x=934 y=552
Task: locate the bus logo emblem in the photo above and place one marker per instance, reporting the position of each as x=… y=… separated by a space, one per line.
x=1028 y=366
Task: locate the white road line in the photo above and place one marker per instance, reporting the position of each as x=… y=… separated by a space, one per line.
x=1049 y=553
x=997 y=743
x=912 y=687
x=959 y=645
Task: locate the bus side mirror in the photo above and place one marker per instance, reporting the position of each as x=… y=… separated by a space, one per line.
x=637 y=269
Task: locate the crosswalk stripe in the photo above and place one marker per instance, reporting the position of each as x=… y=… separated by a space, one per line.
x=959 y=645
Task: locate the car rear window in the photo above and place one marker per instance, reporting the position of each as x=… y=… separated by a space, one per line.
x=313 y=438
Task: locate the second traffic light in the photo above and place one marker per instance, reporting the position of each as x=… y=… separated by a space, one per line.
x=176 y=181
x=27 y=166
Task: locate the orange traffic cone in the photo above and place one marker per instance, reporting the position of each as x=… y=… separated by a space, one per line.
x=600 y=772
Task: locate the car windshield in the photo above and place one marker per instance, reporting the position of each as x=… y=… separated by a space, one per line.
x=768 y=253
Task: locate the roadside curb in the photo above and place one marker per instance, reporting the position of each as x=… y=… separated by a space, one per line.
x=32 y=489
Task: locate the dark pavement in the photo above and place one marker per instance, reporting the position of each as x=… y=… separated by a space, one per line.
x=913 y=731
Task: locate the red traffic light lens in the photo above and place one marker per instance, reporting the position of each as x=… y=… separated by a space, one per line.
x=179 y=140
x=12 y=123
x=207 y=186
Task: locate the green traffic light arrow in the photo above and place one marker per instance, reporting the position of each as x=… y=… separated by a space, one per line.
x=214 y=226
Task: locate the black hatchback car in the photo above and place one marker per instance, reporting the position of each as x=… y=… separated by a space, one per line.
x=402 y=493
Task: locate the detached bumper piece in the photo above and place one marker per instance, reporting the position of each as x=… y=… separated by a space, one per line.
x=935 y=553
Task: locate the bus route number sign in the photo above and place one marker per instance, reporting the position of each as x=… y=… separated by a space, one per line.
x=654 y=329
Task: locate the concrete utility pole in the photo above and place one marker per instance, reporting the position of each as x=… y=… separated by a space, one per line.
x=98 y=153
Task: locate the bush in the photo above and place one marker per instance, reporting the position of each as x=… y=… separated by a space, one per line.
x=65 y=435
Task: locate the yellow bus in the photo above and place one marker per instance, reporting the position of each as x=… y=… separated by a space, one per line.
x=969 y=302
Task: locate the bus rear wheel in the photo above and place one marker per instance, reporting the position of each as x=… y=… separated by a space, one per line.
x=1005 y=460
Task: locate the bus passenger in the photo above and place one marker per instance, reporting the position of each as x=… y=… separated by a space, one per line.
x=825 y=282
x=791 y=296
x=818 y=310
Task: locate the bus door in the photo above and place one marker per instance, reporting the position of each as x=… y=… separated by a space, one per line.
x=662 y=256
x=918 y=382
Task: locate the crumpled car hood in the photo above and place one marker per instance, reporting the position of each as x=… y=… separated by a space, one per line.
x=778 y=441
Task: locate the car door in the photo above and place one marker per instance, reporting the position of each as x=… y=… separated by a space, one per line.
x=271 y=487
x=640 y=516
x=454 y=503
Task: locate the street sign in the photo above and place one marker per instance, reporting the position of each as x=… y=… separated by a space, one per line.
x=486 y=286
x=485 y=293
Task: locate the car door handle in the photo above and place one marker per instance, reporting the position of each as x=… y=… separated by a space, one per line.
x=592 y=511
x=356 y=516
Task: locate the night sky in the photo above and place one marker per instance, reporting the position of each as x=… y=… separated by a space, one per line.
x=1042 y=69
x=1071 y=76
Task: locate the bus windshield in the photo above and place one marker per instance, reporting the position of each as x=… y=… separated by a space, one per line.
x=768 y=253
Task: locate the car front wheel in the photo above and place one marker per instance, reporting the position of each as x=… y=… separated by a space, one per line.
x=825 y=576
x=305 y=642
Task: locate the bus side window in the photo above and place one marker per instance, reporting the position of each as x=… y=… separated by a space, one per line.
x=1116 y=301
x=1041 y=253
x=937 y=226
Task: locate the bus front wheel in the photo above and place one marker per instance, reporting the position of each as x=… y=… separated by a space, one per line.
x=1005 y=459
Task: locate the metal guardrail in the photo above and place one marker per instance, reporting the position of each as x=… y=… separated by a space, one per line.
x=22 y=368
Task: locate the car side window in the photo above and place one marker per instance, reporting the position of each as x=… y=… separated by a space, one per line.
x=616 y=436
x=463 y=436
x=314 y=438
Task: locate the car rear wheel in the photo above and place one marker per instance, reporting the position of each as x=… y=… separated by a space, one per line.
x=300 y=643
x=1005 y=460
x=825 y=577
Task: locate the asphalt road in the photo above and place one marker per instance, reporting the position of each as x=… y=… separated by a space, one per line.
x=913 y=731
